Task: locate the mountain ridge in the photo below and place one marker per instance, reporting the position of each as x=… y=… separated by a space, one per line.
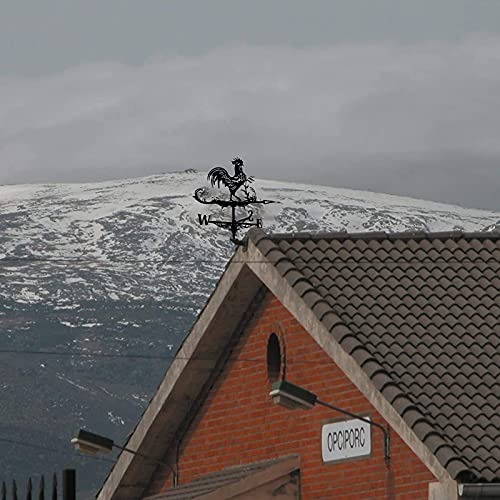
x=155 y=219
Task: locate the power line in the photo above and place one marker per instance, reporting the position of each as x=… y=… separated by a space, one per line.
x=146 y=356
x=72 y=260
x=92 y=354
x=66 y=260
x=50 y=449
x=173 y=357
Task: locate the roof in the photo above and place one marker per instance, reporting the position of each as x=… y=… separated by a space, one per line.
x=241 y=477
x=422 y=314
x=411 y=318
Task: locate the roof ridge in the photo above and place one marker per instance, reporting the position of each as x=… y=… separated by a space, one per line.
x=379 y=235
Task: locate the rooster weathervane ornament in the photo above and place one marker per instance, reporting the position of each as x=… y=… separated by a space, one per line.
x=241 y=194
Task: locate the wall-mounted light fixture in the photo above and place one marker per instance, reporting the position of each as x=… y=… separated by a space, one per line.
x=293 y=397
x=91 y=444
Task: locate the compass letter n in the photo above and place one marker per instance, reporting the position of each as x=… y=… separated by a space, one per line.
x=203 y=219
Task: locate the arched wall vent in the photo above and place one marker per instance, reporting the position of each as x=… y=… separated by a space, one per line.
x=273 y=358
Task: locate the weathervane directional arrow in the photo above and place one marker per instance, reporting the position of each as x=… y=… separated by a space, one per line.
x=241 y=194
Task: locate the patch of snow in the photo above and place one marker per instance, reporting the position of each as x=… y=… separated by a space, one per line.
x=139 y=239
x=115 y=419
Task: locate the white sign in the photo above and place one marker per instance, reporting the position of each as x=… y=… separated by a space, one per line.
x=346 y=439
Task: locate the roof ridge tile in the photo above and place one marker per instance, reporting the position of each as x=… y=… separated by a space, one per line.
x=256 y=234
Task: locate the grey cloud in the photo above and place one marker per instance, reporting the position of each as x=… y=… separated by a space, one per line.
x=40 y=37
x=420 y=120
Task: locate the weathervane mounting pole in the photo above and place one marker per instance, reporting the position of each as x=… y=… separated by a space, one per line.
x=237 y=183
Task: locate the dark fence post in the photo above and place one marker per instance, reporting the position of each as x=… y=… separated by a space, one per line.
x=29 y=494
x=69 y=484
x=68 y=487
x=41 y=489
x=54 y=487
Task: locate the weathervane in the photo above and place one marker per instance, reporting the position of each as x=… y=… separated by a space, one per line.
x=237 y=183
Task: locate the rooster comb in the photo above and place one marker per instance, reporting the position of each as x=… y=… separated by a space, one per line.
x=237 y=161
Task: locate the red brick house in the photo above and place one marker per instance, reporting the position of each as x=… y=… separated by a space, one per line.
x=402 y=329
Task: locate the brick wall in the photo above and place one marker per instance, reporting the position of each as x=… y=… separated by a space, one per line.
x=239 y=424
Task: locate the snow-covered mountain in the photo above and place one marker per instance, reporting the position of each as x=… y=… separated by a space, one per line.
x=122 y=267
x=140 y=238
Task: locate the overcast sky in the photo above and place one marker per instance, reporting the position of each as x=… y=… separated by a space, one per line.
x=386 y=95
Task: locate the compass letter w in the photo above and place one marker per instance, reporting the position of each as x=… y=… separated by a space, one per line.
x=203 y=219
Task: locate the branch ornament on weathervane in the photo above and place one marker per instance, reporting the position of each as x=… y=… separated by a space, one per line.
x=241 y=195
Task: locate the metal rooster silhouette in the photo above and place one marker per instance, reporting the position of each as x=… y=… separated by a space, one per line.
x=234 y=183
x=220 y=175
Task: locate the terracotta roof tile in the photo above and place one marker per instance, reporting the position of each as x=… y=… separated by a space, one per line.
x=420 y=313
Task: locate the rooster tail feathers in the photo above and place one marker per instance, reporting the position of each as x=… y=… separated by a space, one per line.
x=217 y=175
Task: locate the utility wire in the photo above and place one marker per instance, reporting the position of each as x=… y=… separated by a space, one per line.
x=260 y=361
x=143 y=356
x=90 y=354
x=52 y=450
x=65 y=260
